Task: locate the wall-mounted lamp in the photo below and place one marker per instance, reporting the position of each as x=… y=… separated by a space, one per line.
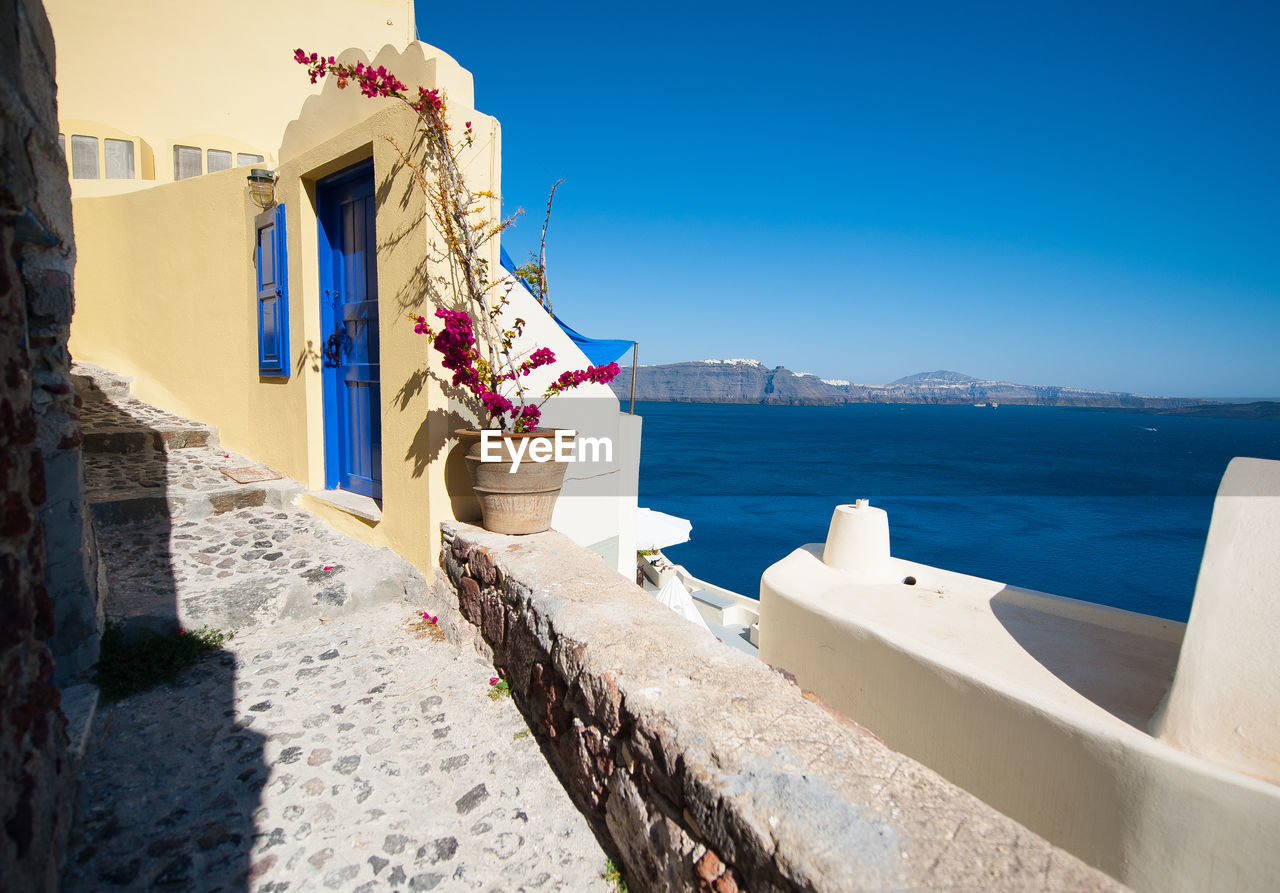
x=262 y=187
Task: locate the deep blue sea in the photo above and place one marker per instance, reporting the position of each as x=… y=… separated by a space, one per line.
x=1089 y=505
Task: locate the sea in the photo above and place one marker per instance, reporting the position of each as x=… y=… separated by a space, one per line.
x=1107 y=507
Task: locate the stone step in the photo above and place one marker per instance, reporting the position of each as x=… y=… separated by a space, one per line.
x=240 y=570
x=113 y=421
x=193 y=535
x=183 y=484
x=136 y=440
x=89 y=378
x=130 y=426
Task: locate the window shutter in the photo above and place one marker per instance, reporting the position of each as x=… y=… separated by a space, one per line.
x=84 y=157
x=218 y=160
x=119 y=156
x=273 y=293
x=186 y=162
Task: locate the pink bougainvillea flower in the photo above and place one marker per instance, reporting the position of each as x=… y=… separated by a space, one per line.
x=493 y=680
x=458 y=344
x=328 y=567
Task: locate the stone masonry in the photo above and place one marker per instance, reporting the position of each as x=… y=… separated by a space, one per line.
x=43 y=225
x=37 y=427
x=706 y=769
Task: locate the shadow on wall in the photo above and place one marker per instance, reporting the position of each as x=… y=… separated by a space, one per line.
x=171 y=780
x=432 y=439
x=1125 y=674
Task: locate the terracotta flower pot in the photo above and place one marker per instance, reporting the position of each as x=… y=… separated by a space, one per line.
x=519 y=501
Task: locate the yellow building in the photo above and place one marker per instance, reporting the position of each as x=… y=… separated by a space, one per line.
x=230 y=314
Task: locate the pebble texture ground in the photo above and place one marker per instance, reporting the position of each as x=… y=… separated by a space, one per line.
x=336 y=742
x=240 y=569
x=354 y=754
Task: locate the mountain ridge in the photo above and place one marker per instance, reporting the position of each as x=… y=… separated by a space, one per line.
x=750 y=381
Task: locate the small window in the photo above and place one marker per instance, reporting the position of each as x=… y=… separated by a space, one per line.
x=186 y=162
x=84 y=157
x=62 y=144
x=244 y=160
x=119 y=157
x=218 y=160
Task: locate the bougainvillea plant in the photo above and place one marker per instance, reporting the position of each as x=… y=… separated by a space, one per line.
x=489 y=362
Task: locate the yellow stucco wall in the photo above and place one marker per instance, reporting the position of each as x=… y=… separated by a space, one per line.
x=166 y=294
x=215 y=77
x=165 y=288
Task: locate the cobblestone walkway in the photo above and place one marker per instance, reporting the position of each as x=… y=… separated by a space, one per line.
x=237 y=570
x=335 y=743
x=354 y=754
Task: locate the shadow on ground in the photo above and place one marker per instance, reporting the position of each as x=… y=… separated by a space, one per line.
x=170 y=783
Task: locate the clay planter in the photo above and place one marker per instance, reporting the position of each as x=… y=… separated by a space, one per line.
x=519 y=502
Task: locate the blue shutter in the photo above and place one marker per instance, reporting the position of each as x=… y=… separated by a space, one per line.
x=273 y=293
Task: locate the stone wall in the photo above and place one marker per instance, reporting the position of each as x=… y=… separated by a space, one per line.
x=47 y=261
x=703 y=768
x=38 y=429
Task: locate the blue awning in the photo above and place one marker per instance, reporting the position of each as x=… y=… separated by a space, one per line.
x=600 y=351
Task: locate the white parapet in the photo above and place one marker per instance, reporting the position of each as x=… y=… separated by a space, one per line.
x=1225 y=701
x=1045 y=707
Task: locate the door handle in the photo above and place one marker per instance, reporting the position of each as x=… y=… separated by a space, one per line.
x=333 y=345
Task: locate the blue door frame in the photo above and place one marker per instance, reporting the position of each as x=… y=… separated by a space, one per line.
x=349 y=320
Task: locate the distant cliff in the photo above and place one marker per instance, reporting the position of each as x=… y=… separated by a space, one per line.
x=750 y=381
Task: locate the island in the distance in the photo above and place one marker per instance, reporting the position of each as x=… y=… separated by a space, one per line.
x=750 y=381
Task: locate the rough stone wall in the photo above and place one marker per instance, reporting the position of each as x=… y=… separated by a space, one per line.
x=39 y=202
x=36 y=416
x=705 y=769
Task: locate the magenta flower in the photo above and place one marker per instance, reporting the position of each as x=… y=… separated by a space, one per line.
x=457 y=342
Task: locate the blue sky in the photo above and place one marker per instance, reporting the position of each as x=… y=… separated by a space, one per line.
x=1052 y=193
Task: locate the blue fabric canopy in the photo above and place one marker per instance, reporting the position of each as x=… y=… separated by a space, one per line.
x=600 y=351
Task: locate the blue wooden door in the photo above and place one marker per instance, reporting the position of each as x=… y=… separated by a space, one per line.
x=349 y=314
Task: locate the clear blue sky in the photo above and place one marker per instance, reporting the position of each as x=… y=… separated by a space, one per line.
x=1072 y=193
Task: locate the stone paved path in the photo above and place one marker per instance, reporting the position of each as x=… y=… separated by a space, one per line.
x=335 y=743
x=239 y=569
x=353 y=754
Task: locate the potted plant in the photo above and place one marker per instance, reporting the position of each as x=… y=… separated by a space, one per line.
x=516 y=467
